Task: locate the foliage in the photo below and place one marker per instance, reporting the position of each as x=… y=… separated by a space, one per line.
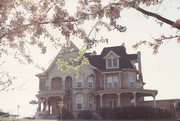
x=73 y=63
x=25 y=23
x=85 y=114
x=4 y=114
x=134 y=113
x=66 y=114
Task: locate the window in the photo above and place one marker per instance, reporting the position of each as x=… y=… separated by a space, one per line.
x=131 y=84
x=112 y=63
x=132 y=101
x=131 y=81
x=42 y=84
x=109 y=63
x=90 y=81
x=79 y=101
x=79 y=82
x=112 y=81
x=90 y=103
x=56 y=83
x=109 y=82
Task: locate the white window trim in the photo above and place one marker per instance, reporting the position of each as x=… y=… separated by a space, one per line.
x=130 y=81
x=79 y=103
x=79 y=81
x=107 y=67
x=90 y=103
x=112 y=84
x=115 y=57
x=90 y=81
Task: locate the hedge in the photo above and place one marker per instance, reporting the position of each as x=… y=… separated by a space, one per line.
x=85 y=114
x=134 y=113
x=66 y=114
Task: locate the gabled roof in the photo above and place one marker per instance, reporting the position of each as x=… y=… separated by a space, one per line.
x=124 y=62
x=119 y=50
x=98 y=62
x=111 y=52
x=72 y=46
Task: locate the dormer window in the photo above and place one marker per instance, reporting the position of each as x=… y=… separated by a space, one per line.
x=112 y=60
x=112 y=63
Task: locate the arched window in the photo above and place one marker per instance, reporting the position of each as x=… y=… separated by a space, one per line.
x=79 y=101
x=68 y=83
x=56 y=83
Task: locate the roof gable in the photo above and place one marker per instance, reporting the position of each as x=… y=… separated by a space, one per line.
x=119 y=50
x=111 y=53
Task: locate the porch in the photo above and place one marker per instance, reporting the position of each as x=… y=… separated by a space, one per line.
x=112 y=98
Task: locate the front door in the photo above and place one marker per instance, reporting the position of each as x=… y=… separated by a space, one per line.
x=112 y=103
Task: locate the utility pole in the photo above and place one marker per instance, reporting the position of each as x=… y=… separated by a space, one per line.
x=18 y=111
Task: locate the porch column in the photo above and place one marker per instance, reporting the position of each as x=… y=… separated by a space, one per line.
x=119 y=99
x=39 y=106
x=154 y=100
x=101 y=103
x=46 y=106
x=120 y=84
x=134 y=95
x=62 y=97
x=104 y=81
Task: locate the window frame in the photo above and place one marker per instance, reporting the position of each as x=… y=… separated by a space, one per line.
x=90 y=82
x=79 y=101
x=79 y=79
x=112 y=63
x=131 y=81
x=112 y=80
x=90 y=102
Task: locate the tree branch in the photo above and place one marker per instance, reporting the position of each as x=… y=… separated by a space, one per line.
x=165 y=20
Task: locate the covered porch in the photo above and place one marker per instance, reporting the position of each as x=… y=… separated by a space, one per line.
x=48 y=103
x=113 y=98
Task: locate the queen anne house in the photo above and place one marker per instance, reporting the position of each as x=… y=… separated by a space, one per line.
x=111 y=79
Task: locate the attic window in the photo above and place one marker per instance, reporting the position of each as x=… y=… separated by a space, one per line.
x=112 y=63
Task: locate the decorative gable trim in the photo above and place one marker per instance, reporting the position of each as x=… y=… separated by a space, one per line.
x=57 y=56
x=111 y=52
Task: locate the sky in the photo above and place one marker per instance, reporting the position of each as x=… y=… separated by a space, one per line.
x=160 y=71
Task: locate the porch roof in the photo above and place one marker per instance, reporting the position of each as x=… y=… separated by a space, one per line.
x=144 y=92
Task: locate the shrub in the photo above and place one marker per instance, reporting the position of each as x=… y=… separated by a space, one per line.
x=4 y=114
x=85 y=114
x=66 y=114
x=134 y=113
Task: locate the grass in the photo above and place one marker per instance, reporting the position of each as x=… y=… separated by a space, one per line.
x=11 y=119
x=6 y=119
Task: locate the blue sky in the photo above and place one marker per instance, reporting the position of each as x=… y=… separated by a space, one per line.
x=160 y=72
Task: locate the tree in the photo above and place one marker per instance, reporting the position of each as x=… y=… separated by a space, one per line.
x=25 y=23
